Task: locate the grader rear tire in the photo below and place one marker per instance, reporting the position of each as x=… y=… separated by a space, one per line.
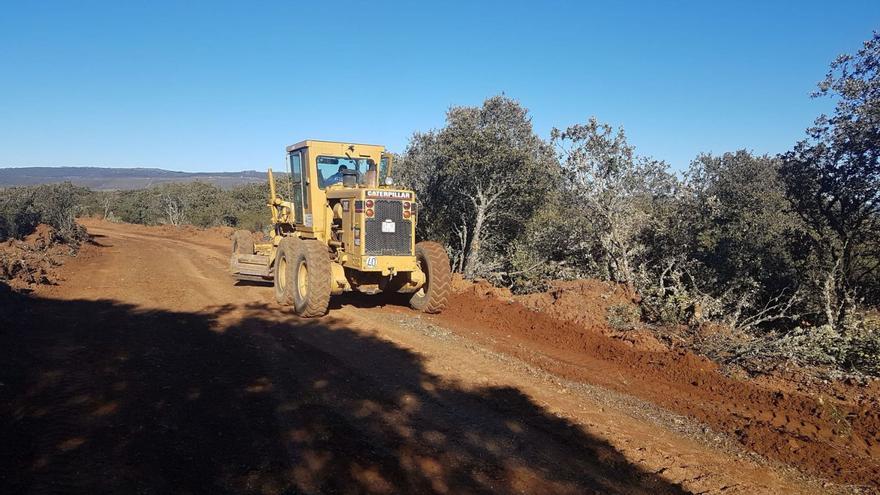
x=311 y=272
x=284 y=274
x=243 y=243
x=434 y=261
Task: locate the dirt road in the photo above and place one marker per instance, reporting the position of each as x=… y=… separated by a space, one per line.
x=149 y=370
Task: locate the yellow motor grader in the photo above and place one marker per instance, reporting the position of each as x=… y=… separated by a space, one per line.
x=340 y=224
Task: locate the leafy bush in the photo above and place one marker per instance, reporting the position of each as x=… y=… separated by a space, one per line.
x=479 y=180
x=623 y=316
x=193 y=203
x=833 y=182
x=23 y=208
x=855 y=352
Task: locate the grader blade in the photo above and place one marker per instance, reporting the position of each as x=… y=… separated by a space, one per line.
x=253 y=267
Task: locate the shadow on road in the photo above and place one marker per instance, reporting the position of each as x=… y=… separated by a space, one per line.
x=103 y=397
x=358 y=300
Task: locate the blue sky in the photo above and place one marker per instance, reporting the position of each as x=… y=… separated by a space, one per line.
x=223 y=86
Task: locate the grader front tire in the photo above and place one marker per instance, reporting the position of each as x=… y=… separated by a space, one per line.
x=284 y=270
x=434 y=261
x=311 y=279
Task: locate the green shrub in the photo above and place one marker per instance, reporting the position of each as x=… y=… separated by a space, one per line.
x=623 y=316
x=23 y=208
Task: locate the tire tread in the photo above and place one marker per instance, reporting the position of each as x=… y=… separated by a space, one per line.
x=439 y=278
x=318 y=299
x=287 y=248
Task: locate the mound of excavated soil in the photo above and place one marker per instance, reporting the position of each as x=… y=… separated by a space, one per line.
x=33 y=260
x=479 y=288
x=584 y=302
x=832 y=431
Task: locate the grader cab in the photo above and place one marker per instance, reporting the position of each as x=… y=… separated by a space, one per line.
x=339 y=224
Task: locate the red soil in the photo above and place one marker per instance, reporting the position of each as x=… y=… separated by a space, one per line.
x=832 y=431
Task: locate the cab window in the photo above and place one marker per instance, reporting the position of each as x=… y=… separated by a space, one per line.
x=332 y=168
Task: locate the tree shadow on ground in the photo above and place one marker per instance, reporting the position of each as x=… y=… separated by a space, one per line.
x=99 y=397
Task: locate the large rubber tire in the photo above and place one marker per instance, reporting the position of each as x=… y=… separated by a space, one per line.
x=312 y=278
x=284 y=273
x=243 y=243
x=434 y=261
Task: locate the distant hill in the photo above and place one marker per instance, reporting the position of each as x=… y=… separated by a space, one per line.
x=98 y=178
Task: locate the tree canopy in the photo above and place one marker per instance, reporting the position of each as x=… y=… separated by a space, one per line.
x=833 y=181
x=479 y=179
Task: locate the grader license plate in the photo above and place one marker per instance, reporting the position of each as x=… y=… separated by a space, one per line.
x=388 y=226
